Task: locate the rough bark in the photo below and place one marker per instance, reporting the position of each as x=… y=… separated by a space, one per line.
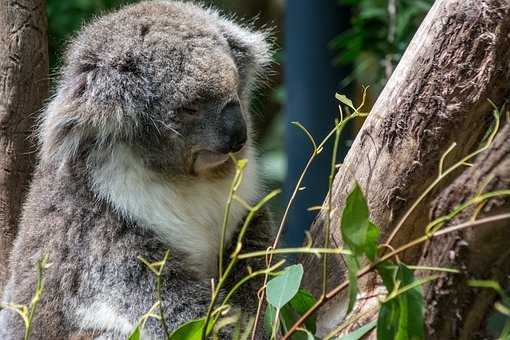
x=438 y=94
x=23 y=87
x=455 y=310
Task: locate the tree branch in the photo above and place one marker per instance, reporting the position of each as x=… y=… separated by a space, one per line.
x=439 y=94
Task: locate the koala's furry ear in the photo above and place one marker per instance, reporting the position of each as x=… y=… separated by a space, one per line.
x=98 y=101
x=60 y=134
x=251 y=50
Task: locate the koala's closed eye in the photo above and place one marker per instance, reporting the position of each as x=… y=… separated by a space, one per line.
x=189 y=110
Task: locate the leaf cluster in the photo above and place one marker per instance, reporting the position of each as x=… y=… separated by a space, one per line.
x=374 y=34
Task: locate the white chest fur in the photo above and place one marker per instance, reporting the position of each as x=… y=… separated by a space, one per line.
x=188 y=215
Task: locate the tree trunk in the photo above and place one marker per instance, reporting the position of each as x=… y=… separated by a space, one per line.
x=439 y=94
x=455 y=310
x=23 y=88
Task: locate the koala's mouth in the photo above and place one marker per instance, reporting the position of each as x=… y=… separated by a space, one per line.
x=207 y=160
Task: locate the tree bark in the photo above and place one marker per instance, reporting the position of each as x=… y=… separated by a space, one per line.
x=439 y=94
x=23 y=88
x=455 y=310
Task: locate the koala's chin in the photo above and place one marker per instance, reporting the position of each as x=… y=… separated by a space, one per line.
x=215 y=164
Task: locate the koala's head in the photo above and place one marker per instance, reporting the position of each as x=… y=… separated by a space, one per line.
x=169 y=80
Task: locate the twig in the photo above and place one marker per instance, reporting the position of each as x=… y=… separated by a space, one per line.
x=234 y=259
x=317 y=149
x=301 y=250
x=442 y=175
x=332 y=293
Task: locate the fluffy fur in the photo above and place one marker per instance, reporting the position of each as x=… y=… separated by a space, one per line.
x=193 y=209
x=145 y=95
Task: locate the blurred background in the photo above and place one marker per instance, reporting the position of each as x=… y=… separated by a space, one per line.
x=321 y=48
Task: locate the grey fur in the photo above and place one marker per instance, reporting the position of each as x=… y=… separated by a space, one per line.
x=126 y=79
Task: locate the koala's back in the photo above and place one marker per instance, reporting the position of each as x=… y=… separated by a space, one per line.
x=95 y=281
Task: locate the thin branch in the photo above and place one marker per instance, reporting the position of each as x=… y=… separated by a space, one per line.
x=332 y=293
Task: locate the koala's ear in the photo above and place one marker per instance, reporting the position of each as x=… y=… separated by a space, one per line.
x=60 y=134
x=251 y=51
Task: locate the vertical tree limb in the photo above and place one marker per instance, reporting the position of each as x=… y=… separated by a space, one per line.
x=23 y=88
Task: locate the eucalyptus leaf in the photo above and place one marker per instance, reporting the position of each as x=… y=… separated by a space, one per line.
x=191 y=330
x=284 y=287
x=287 y=318
x=400 y=318
x=372 y=241
x=290 y=313
x=359 y=234
x=269 y=319
x=303 y=334
x=136 y=334
x=352 y=275
x=344 y=100
x=301 y=303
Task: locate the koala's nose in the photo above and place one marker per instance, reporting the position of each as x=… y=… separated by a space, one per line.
x=234 y=128
x=237 y=140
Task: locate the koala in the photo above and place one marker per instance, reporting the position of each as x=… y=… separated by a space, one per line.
x=135 y=146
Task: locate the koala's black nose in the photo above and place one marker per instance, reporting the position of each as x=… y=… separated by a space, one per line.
x=237 y=140
x=234 y=128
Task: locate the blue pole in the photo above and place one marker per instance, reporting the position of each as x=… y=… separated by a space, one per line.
x=311 y=80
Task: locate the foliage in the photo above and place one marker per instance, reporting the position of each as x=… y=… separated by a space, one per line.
x=282 y=288
x=279 y=320
x=400 y=317
x=286 y=302
x=502 y=306
x=376 y=34
x=27 y=312
x=66 y=17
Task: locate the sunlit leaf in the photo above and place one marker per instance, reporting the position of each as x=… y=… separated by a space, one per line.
x=344 y=100
x=290 y=313
x=284 y=287
x=136 y=334
x=189 y=331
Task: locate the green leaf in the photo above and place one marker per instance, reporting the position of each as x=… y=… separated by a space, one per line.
x=284 y=287
x=301 y=303
x=400 y=318
x=303 y=334
x=360 y=332
x=287 y=318
x=269 y=319
x=387 y=321
x=191 y=330
x=371 y=241
x=343 y=99
x=359 y=234
x=290 y=313
x=136 y=334
x=352 y=275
